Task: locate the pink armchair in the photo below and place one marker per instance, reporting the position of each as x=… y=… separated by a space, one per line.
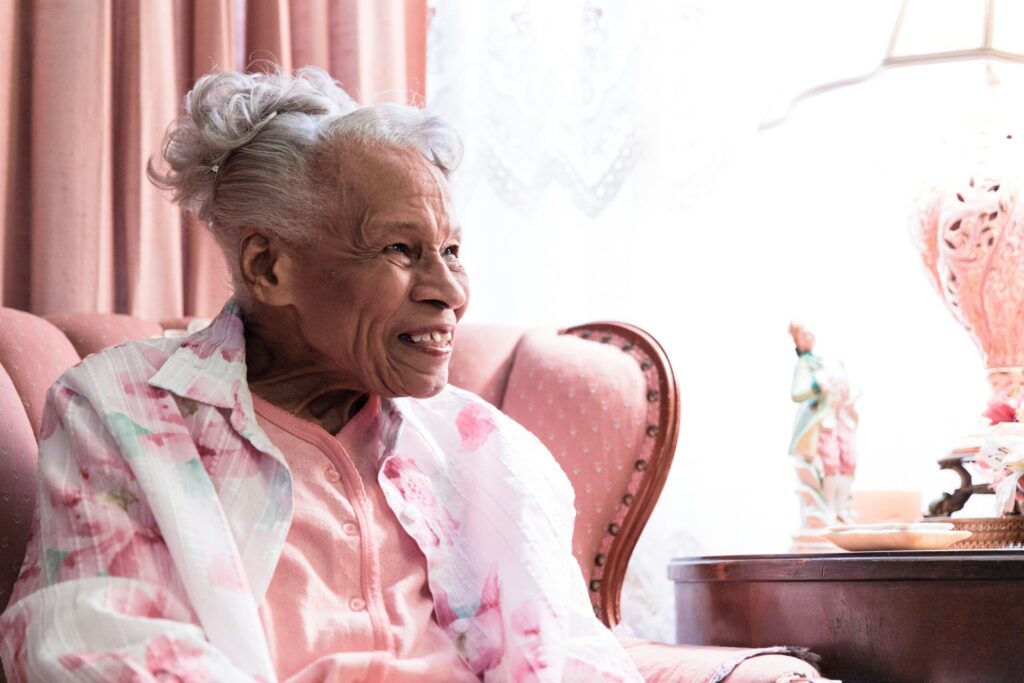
x=601 y=396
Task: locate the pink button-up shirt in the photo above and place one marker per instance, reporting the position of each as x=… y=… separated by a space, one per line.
x=349 y=599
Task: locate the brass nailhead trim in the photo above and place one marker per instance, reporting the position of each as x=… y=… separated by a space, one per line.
x=605 y=338
x=646 y=365
x=640 y=465
x=628 y=346
x=613 y=529
x=652 y=430
x=585 y=334
x=595 y=585
x=652 y=396
x=628 y=499
x=599 y=560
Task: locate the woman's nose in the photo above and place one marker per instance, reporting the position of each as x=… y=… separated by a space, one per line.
x=439 y=284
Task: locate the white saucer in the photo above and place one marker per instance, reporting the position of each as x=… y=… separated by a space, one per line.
x=892 y=526
x=896 y=539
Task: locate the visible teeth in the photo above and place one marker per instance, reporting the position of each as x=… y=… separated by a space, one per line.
x=435 y=337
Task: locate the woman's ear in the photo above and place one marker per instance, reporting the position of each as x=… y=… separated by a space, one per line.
x=266 y=269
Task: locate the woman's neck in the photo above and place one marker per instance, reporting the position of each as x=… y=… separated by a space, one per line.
x=294 y=383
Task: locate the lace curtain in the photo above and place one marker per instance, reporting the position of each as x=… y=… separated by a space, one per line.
x=567 y=94
x=514 y=87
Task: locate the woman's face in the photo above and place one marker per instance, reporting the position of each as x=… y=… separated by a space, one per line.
x=378 y=299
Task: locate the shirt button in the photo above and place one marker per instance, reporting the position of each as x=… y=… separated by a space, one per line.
x=332 y=475
x=357 y=604
x=350 y=528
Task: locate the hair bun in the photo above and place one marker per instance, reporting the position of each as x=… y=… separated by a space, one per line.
x=226 y=111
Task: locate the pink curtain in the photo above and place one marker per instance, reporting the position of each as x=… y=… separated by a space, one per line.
x=88 y=89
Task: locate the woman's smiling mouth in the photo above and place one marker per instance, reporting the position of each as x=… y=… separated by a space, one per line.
x=434 y=341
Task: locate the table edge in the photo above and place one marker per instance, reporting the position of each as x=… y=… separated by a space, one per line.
x=897 y=565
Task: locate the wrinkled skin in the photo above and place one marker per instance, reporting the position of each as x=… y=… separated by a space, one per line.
x=333 y=319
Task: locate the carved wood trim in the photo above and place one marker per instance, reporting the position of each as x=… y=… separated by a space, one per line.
x=948 y=503
x=609 y=569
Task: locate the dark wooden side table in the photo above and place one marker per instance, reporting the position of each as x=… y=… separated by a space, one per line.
x=878 y=617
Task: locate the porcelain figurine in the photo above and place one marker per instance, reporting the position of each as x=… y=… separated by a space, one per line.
x=823 y=445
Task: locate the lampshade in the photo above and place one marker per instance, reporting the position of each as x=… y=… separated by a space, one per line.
x=944 y=30
x=936 y=31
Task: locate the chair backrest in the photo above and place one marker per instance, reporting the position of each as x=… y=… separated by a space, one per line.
x=92 y=332
x=17 y=484
x=602 y=398
x=35 y=353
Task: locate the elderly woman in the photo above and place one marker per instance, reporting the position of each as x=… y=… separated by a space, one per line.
x=295 y=493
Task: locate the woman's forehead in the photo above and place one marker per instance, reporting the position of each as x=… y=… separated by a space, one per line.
x=382 y=187
x=372 y=167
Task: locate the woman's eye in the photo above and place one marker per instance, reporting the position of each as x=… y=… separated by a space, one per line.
x=397 y=248
x=453 y=250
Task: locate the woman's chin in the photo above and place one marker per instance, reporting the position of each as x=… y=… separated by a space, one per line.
x=433 y=390
x=422 y=388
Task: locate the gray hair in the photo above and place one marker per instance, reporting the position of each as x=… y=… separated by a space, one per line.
x=241 y=153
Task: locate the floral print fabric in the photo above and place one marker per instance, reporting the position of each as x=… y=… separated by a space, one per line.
x=163 y=508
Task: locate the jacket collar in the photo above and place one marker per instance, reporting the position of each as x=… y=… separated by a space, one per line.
x=209 y=367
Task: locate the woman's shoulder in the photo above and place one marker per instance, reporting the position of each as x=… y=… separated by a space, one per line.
x=464 y=407
x=135 y=358
x=481 y=428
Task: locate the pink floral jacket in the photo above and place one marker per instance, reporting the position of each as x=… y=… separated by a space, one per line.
x=163 y=508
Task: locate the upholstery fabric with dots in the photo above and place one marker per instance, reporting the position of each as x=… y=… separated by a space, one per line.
x=482 y=359
x=176 y=323
x=92 y=332
x=17 y=483
x=585 y=401
x=35 y=354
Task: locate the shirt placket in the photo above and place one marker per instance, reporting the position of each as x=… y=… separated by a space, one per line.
x=342 y=472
